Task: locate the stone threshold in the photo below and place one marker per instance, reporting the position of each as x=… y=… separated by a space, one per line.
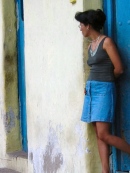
x=6 y=170
x=17 y=163
x=20 y=154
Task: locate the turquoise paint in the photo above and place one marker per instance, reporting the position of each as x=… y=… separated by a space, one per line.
x=118 y=27
x=21 y=72
x=123 y=41
x=108 y=7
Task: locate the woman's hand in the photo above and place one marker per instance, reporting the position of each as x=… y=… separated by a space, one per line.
x=85 y=92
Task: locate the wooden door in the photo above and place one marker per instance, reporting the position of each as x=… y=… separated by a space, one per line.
x=118 y=27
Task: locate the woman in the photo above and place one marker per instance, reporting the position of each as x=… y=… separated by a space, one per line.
x=100 y=94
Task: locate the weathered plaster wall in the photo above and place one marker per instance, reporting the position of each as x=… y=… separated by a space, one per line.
x=57 y=139
x=11 y=119
x=2 y=107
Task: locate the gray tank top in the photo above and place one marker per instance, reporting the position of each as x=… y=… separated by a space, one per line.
x=101 y=67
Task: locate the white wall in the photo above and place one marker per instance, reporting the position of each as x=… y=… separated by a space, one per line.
x=54 y=83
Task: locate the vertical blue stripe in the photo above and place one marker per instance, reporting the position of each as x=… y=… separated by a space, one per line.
x=21 y=72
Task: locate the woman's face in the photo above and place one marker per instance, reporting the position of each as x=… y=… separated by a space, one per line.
x=84 y=29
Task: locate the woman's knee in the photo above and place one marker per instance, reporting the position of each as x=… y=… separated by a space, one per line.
x=103 y=136
x=103 y=131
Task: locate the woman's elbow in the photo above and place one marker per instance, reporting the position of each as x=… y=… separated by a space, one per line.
x=118 y=72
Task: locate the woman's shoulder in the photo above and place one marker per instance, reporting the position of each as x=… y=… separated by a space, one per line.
x=108 y=41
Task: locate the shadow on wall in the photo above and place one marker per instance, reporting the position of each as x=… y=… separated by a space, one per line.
x=12 y=120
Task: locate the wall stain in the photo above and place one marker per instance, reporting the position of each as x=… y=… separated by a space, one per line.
x=51 y=166
x=53 y=158
x=9 y=120
x=31 y=157
x=10 y=69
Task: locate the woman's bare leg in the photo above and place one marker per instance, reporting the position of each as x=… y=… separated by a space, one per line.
x=104 y=135
x=104 y=139
x=104 y=151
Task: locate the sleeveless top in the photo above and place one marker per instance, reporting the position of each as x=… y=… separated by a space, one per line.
x=101 y=67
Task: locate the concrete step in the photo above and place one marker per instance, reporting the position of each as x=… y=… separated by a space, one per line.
x=5 y=170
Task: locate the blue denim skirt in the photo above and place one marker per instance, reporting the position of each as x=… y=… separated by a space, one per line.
x=99 y=102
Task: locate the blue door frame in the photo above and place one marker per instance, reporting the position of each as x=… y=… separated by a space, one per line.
x=118 y=27
x=108 y=7
x=21 y=72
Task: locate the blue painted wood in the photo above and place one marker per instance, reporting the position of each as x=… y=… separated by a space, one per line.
x=120 y=27
x=108 y=7
x=123 y=42
x=21 y=72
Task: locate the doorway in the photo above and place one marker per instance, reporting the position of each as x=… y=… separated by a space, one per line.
x=118 y=27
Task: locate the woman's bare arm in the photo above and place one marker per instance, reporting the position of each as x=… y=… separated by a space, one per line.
x=112 y=51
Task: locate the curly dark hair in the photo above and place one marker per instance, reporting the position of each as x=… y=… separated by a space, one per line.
x=96 y=18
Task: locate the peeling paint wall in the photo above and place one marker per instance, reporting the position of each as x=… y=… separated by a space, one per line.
x=54 y=51
x=11 y=118
x=54 y=81
x=2 y=107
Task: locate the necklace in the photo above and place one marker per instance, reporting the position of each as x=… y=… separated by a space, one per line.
x=91 y=41
x=93 y=52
